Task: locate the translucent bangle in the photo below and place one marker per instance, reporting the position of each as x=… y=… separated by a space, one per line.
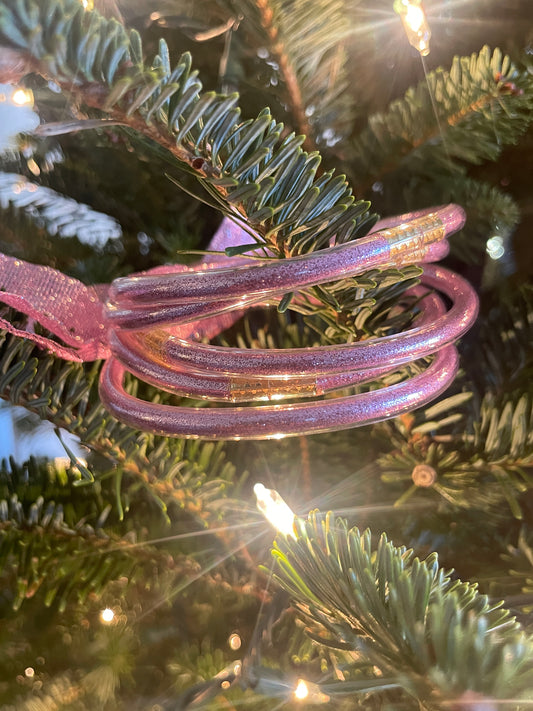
x=148 y=356
x=154 y=320
x=276 y=421
x=321 y=360
x=145 y=300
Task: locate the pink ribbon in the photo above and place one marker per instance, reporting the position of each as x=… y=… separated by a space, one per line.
x=74 y=312
x=64 y=306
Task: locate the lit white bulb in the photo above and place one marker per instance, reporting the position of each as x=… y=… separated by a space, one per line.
x=107 y=615
x=16 y=116
x=274 y=509
x=309 y=692
x=302 y=690
x=495 y=247
x=415 y=17
x=415 y=24
x=22 y=97
x=234 y=641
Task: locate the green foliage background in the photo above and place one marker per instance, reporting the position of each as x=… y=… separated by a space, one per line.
x=164 y=531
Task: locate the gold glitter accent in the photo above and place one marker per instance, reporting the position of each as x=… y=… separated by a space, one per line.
x=247 y=390
x=155 y=341
x=410 y=239
x=423 y=475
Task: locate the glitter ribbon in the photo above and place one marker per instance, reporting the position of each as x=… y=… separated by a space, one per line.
x=75 y=313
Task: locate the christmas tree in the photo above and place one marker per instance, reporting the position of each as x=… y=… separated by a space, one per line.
x=136 y=571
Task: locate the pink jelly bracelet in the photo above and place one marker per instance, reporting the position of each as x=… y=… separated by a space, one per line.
x=407 y=242
x=393 y=350
x=147 y=363
x=151 y=326
x=154 y=323
x=145 y=315
x=261 y=422
x=276 y=421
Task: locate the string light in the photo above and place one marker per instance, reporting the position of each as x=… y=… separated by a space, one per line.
x=302 y=690
x=309 y=692
x=16 y=115
x=495 y=247
x=415 y=24
x=107 y=616
x=22 y=97
x=281 y=516
x=274 y=509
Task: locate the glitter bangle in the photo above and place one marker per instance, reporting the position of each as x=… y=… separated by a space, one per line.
x=155 y=322
x=276 y=421
x=147 y=357
x=142 y=301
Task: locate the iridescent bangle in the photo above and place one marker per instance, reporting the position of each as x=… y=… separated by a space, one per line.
x=193 y=304
x=142 y=301
x=150 y=357
x=321 y=360
x=276 y=421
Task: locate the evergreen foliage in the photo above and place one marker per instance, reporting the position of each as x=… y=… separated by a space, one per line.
x=159 y=530
x=382 y=606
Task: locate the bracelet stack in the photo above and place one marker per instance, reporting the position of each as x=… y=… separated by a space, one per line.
x=156 y=322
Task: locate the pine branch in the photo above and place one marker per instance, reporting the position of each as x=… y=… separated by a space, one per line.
x=66 y=394
x=58 y=214
x=254 y=174
x=483 y=95
x=308 y=49
x=39 y=552
x=438 y=638
x=507 y=428
x=467 y=455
